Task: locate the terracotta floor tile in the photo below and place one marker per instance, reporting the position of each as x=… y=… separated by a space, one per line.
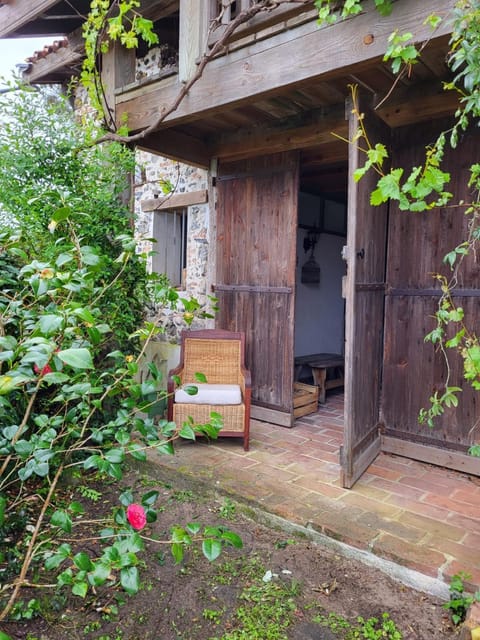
x=416 y=514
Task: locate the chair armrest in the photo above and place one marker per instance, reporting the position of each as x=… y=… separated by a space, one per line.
x=245 y=380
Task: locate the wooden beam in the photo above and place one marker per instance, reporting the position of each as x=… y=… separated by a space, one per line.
x=193 y=29
x=300 y=55
x=433 y=455
x=423 y=104
x=157 y=9
x=14 y=15
x=262 y=21
x=309 y=130
x=177 y=146
x=175 y=201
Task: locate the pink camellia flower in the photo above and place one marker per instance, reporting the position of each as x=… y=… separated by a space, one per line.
x=46 y=369
x=136 y=516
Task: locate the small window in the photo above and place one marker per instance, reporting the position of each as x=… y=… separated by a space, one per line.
x=170 y=248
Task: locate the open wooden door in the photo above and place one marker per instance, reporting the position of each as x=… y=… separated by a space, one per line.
x=365 y=294
x=256 y=226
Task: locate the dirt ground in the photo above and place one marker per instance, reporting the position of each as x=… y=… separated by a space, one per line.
x=198 y=600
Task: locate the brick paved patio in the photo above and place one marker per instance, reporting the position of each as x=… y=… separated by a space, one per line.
x=420 y=516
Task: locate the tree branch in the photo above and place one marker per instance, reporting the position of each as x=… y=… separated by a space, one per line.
x=261 y=6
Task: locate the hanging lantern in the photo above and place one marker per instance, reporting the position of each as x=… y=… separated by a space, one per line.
x=311 y=268
x=311 y=271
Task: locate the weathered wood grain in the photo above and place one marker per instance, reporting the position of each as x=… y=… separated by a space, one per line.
x=256 y=237
x=15 y=15
x=413 y=369
x=292 y=57
x=366 y=250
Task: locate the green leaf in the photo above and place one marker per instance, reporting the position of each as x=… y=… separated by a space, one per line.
x=190 y=389
x=5 y=636
x=200 y=377
x=55 y=560
x=7 y=385
x=80 y=589
x=50 y=323
x=137 y=452
x=193 y=527
x=177 y=552
x=115 y=455
x=360 y=172
x=62 y=519
x=3 y=504
x=187 y=432
x=61 y=214
x=82 y=561
x=211 y=549
x=100 y=573
x=77 y=358
x=149 y=498
x=232 y=538
x=129 y=579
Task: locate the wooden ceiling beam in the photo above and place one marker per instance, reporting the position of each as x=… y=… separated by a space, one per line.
x=301 y=55
x=312 y=129
x=409 y=106
x=177 y=146
x=19 y=12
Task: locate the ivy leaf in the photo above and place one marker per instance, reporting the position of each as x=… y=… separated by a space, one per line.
x=200 y=377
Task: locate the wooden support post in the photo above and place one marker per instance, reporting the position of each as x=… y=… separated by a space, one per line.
x=193 y=35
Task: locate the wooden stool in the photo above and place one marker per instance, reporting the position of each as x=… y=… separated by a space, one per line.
x=318 y=364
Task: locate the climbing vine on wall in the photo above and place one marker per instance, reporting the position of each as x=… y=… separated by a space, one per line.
x=426 y=186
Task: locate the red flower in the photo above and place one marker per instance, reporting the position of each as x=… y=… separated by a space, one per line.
x=136 y=516
x=46 y=369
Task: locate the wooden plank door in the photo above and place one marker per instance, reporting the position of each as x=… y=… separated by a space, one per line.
x=256 y=227
x=415 y=369
x=364 y=313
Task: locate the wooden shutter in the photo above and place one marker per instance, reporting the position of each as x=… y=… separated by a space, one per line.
x=168 y=231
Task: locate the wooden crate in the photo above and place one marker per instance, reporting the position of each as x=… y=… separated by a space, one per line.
x=305 y=399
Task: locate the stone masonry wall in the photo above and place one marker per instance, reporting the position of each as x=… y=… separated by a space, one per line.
x=151 y=170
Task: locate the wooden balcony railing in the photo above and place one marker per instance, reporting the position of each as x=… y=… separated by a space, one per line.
x=230 y=9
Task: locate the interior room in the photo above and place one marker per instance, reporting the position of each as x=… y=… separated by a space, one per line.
x=320 y=268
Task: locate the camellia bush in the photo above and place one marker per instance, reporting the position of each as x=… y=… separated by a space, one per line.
x=67 y=407
x=72 y=342
x=51 y=172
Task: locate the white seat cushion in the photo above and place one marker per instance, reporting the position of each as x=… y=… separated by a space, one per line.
x=210 y=394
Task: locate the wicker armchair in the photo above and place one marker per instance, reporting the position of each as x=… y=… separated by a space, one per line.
x=220 y=356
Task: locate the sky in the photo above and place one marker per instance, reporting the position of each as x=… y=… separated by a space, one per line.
x=13 y=51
